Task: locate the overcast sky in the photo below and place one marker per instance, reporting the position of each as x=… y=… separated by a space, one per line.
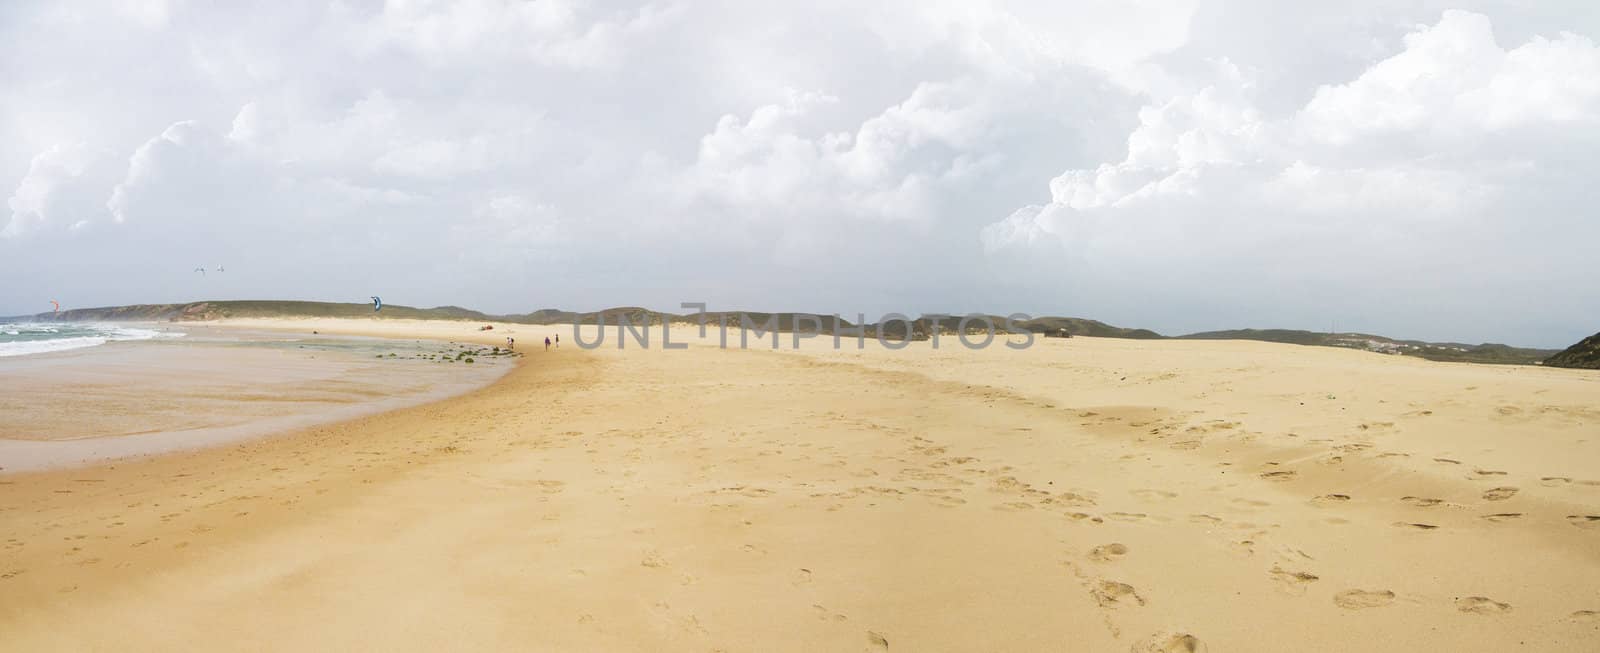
x=1416 y=168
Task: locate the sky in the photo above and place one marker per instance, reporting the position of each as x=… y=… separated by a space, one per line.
x=1412 y=168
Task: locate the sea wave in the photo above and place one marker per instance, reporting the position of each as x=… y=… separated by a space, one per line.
x=45 y=346
x=26 y=339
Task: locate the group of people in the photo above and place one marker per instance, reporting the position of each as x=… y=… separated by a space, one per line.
x=511 y=343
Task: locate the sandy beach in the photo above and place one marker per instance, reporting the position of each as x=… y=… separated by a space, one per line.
x=1080 y=495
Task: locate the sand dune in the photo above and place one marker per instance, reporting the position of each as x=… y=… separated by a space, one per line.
x=1084 y=494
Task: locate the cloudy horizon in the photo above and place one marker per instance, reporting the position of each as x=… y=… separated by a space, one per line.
x=1416 y=170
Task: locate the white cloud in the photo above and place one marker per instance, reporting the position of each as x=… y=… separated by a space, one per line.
x=1247 y=151
x=563 y=33
x=766 y=168
x=1432 y=152
x=1449 y=77
x=55 y=190
x=1026 y=40
x=1453 y=77
x=170 y=171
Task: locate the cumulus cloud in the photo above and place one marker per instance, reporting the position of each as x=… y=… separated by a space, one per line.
x=171 y=171
x=764 y=167
x=55 y=192
x=1452 y=77
x=1405 y=180
x=565 y=33
x=1200 y=164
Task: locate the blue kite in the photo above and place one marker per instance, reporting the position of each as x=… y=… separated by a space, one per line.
x=377 y=304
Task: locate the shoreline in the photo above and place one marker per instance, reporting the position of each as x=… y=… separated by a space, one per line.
x=118 y=401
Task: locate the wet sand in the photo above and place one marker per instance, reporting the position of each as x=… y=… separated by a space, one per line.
x=212 y=387
x=1085 y=494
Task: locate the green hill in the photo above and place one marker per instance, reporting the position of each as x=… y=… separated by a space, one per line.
x=1289 y=336
x=1077 y=326
x=1438 y=351
x=1584 y=355
x=201 y=311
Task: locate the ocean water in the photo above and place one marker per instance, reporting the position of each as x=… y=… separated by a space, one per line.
x=22 y=339
x=74 y=394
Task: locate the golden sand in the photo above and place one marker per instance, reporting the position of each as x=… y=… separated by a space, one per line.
x=1082 y=495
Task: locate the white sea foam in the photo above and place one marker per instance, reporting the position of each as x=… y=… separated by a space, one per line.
x=27 y=338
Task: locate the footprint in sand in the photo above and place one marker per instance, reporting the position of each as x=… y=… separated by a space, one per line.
x=1170 y=643
x=1420 y=502
x=1125 y=516
x=824 y=614
x=1329 y=500
x=1554 y=481
x=1073 y=499
x=1499 y=494
x=1585 y=616
x=1584 y=521
x=1293 y=582
x=653 y=560
x=1502 y=516
x=1112 y=594
x=1363 y=599
x=1108 y=552
x=1481 y=605
x=1278 y=476
x=1009 y=484
x=878 y=642
x=1481 y=474
x=1153 y=495
x=1447 y=461
x=1415 y=526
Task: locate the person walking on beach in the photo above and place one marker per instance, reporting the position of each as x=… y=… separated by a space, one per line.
x=547 y=343
x=511 y=343
x=558 y=341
